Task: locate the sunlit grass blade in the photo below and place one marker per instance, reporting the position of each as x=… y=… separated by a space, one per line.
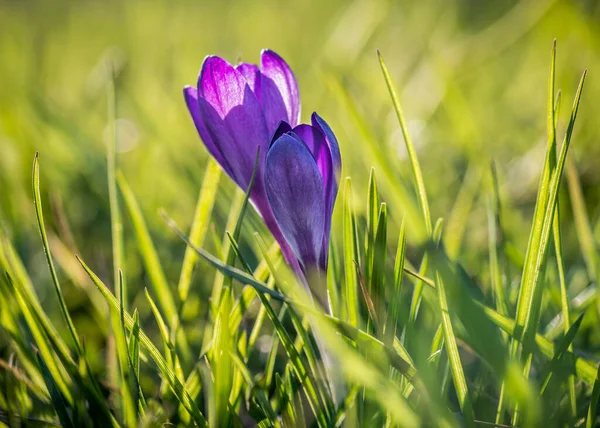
x=351 y=256
x=372 y=218
x=42 y=228
x=410 y=148
x=379 y=259
x=152 y=263
x=158 y=280
x=399 y=195
x=180 y=392
x=206 y=201
x=396 y=291
x=458 y=375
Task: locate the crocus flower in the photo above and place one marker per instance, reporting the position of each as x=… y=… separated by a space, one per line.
x=301 y=180
x=239 y=109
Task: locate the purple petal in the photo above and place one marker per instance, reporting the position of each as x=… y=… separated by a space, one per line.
x=233 y=118
x=279 y=93
x=317 y=144
x=221 y=85
x=252 y=75
x=295 y=193
x=336 y=157
x=191 y=99
x=282 y=128
x=318 y=147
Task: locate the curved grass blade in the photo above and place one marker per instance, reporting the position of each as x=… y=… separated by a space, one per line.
x=410 y=148
x=399 y=195
x=40 y=219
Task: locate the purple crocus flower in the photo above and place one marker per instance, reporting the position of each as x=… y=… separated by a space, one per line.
x=238 y=109
x=301 y=180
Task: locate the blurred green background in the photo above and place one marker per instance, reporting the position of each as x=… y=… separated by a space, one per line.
x=472 y=77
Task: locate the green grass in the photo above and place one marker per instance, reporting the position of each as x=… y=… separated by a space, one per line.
x=140 y=288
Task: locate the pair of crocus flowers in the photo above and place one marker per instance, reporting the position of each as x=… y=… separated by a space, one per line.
x=239 y=109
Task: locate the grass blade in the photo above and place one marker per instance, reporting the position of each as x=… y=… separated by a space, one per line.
x=351 y=256
x=158 y=280
x=410 y=148
x=395 y=301
x=372 y=218
x=458 y=375
x=151 y=261
x=206 y=201
x=40 y=219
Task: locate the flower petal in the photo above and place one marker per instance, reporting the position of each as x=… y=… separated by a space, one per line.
x=318 y=122
x=233 y=117
x=221 y=85
x=251 y=73
x=317 y=144
x=282 y=128
x=191 y=99
x=318 y=147
x=336 y=169
x=279 y=93
x=295 y=192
